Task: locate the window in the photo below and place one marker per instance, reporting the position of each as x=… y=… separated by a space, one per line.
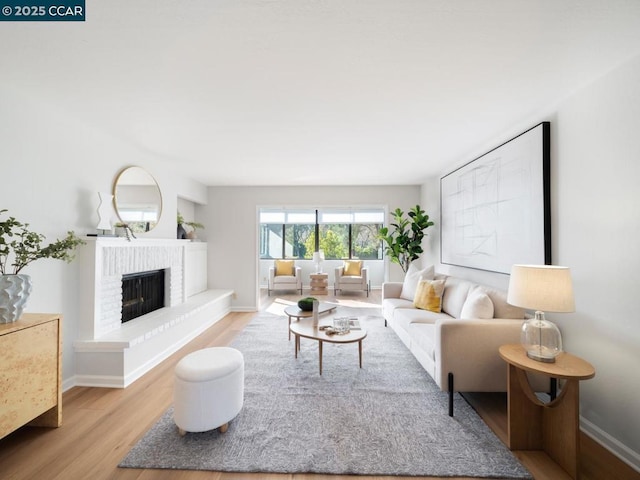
x=342 y=233
x=285 y=234
x=271 y=245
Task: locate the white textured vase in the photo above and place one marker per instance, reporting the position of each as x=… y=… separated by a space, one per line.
x=14 y=293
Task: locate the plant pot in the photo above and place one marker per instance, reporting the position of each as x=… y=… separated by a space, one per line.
x=182 y=233
x=14 y=293
x=306 y=304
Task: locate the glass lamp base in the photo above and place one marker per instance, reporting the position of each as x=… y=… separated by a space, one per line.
x=541 y=339
x=534 y=355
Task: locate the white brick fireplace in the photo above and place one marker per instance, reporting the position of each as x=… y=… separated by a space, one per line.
x=112 y=261
x=112 y=354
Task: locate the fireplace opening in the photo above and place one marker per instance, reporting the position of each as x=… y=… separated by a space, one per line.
x=142 y=293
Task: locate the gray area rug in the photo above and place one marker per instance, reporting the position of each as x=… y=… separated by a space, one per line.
x=388 y=418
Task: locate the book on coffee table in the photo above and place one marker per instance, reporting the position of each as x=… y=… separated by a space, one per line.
x=354 y=323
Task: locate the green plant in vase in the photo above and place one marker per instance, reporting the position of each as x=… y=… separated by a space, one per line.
x=182 y=233
x=19 y=247
x=306 y=304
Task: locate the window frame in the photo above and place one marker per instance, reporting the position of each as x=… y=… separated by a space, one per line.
x=334 y=215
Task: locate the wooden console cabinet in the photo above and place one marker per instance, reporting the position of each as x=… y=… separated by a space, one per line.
x=31 y=372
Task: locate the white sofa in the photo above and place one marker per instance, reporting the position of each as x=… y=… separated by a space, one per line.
x=460 y=354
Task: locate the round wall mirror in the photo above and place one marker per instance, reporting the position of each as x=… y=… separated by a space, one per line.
x=137 y=199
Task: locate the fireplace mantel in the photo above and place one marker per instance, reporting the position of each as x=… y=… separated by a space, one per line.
x=109 y=353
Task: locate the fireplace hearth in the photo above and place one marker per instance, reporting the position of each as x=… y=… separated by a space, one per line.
x=142 y=293
x=113 y=354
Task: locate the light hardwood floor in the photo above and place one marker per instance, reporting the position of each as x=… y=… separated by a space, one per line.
x=101 y=425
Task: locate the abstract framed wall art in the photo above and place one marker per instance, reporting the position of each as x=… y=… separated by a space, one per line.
x=495 y=210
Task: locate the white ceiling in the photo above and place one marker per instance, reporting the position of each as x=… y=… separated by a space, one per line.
x=316 y=92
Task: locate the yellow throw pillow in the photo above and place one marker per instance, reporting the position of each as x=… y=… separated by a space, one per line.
x=284 y=267
x=429 y=295
x=352 y=268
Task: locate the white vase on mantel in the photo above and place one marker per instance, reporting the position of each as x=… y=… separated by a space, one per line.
x=104 y=211
x=14 y=293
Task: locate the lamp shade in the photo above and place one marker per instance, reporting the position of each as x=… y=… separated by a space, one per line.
x=541 y=288
x=546 y=288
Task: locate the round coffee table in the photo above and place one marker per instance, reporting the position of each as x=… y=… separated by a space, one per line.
x=306 y=329
x=293 y=311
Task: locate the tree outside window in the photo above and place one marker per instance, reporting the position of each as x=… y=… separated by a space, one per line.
x=365 y=242
x=297 y=238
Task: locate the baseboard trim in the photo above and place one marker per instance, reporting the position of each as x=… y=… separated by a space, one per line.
x=104 y=381
x=244 y=309
x=608 y=442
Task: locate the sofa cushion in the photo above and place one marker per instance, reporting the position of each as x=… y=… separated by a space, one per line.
x=456 y=291
x=411 y=279
x=429 y=295
x=501 y=309
x=389 y=306
x=284 y=267
x=478 y=305
x=423 y=337
x=284 y=279
x=403 y=317
x=350 y=279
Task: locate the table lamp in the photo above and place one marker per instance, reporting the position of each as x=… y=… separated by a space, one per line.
x=318 y=257
x=541 y=288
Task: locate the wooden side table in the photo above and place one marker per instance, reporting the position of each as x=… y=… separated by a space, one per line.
x=319 y=283
x=552 y=427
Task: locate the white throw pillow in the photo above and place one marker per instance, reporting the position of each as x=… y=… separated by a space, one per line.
x=411 y=279
x=478 y=305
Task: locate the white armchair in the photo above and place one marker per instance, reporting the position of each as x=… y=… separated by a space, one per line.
x=284 y=275
x=352 y=276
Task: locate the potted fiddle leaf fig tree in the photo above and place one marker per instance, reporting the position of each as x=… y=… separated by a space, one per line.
x=20 y=246
x=403 y=243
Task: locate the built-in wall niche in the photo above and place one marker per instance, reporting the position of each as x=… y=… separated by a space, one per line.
x=187 y=209
x=187 y=214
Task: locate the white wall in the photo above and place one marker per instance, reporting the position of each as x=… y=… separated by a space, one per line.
x=52 y=168
x=232 y=226
x=595 y=200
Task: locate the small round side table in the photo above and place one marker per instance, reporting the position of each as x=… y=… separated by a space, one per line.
x=552 y=427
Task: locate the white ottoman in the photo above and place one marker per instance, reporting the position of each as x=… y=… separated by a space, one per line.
x=208 y=390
